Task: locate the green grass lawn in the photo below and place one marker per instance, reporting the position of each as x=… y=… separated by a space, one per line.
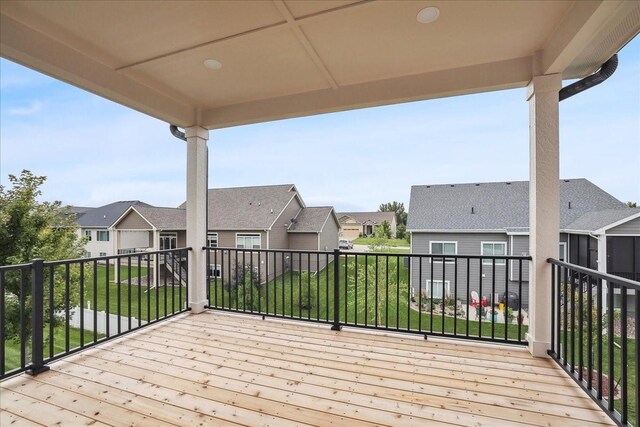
x=385 y=242
x=145 y=304
x=12 y=347
x=311 y=296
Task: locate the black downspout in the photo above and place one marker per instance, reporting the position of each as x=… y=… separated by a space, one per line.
x=606 y=70
x=177 y=133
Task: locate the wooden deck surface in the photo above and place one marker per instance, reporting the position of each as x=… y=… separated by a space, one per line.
x=220 y=369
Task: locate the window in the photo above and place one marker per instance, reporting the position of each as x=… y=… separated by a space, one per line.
x=212 y=240
x=87 y=254
x=444 y=248
x=214 y=270
x=103 y=254
x=562 y=252
x=248 y=241
x=87 y=234
x=494 y=249
x=437 y=288
x=102 y=236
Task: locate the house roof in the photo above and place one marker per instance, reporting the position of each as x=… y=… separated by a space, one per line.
x=164 y=218
x=249 y=208
x=592 y=221
x=498 y=205
x=105 y=216
x=369 y=217
x=311 y=220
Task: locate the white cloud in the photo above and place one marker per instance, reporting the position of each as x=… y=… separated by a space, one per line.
x=34 y=108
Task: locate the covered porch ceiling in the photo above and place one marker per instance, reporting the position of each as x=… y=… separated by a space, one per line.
x=285 y=58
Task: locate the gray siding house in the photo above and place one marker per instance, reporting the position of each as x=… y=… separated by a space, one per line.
x=492 y=219
x=243 y=218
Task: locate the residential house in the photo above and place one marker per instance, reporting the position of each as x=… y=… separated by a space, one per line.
x=596 y=231
x=363 y=224
x=95 y=224
x=245 y=218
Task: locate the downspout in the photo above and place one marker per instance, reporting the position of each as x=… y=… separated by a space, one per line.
x=606 y=70
x=177 y=132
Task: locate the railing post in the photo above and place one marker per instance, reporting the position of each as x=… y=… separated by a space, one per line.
x=336 y=290
x=37 y=318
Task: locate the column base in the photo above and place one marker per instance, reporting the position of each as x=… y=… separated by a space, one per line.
x=537 y=348
x=198 y=306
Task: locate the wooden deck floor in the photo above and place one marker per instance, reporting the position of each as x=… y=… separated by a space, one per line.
x=219 y=369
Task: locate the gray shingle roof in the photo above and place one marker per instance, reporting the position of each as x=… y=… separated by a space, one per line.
x=592 y=221
x=106 y=215
x=164 y=218
x=249 y=208
x=497 y=205
x=310 y=220
x=369 y=217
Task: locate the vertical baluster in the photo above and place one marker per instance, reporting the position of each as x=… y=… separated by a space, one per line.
x=599 y=343
x=624 y=362
x=580 y=326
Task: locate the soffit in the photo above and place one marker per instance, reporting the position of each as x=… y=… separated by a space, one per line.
x=293 y=58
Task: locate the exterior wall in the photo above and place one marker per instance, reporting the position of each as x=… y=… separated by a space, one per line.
x=95 y=247
x=350 y=229
x=278 y=235
x=182 y=238
x=227 y=238
x=304 y=261
x=329 y=235
x=133 y=221
x=631 y=227
x=481 y=277
x=394 y=227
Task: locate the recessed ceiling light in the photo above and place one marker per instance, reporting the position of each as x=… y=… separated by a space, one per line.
x=212 y=64
x=428 y=14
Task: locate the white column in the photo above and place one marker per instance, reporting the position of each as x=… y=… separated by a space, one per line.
x=602 y=266
x=156 y=247
x=544 y=204
x=114 y=233
x=197 y=215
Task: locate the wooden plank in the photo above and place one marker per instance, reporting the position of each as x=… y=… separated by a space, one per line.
x=523 y=411
x=155 y=409
x=431 y=367
x=383 y=353
x=401 y=390
x=41 y=412
x=89 y=407
x=8 y=419
x=398 y=339
x=197 y=403
x=304 y=408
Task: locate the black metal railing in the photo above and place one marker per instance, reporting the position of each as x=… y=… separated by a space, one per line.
x=474 y=297
x=595 y=336
x=50 y=309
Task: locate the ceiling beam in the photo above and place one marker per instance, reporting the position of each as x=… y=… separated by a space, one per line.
x=35 y=50
x=576 y=31
x=461 y=81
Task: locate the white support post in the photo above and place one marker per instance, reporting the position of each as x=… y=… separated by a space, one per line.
x=602 y=267
x=544 y=204
x=197 y=182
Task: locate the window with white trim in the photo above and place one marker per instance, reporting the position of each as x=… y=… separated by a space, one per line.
x=102 y=236
x=87 y=254
x=443 y=248
x=437 y=288
x=87 y=234
x=494 y=249
x=562 y=252
x=214 y=270
x=103 y=254
x=212 y=240
x=248 y=241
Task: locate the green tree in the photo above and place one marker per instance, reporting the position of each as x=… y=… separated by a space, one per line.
x=398 y=208
x=401 y=231
x=632 y=204
x=32 y=229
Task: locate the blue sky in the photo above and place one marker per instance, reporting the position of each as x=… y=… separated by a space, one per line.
x=94 y=151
